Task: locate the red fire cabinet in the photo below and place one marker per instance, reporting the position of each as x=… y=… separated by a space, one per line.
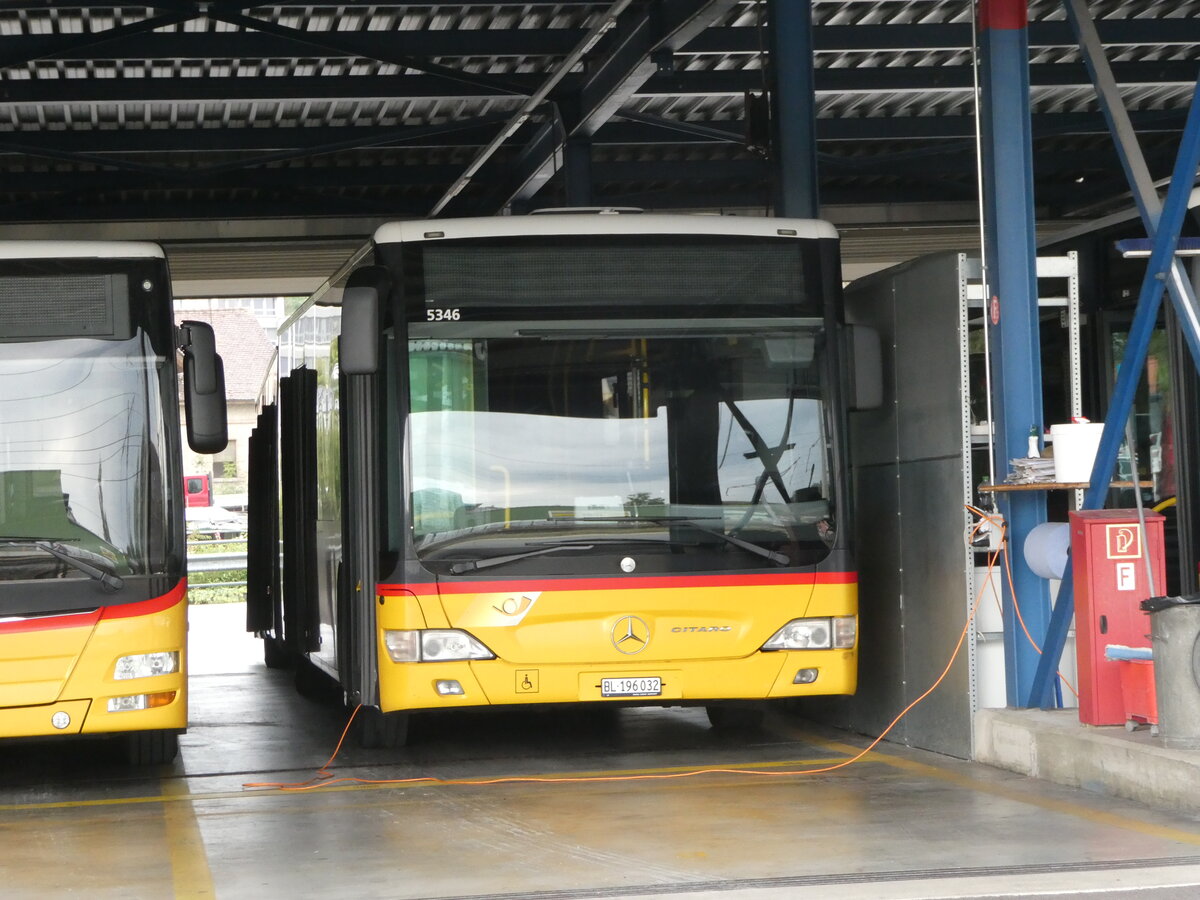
x=1108 y=561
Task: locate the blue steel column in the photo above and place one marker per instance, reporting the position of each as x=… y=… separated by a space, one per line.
x=1011 y=278
x=793 y=109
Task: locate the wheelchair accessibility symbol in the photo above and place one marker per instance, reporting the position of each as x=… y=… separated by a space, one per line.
x=527 y=681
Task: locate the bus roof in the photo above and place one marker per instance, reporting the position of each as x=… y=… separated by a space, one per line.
x=80 y=250
x=551 y=224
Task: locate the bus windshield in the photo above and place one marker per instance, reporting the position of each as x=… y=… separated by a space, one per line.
x=81 y=476
x=710 y=443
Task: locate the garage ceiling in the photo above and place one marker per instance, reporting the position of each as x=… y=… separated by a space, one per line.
x=295 y=128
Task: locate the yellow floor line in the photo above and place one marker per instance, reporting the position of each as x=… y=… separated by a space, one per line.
x=190 y=875
x=1059 y=806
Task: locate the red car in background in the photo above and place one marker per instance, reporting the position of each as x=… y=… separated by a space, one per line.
x=197 y=489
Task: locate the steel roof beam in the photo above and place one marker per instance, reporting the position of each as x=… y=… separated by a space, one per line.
x=267 y=89
x=334 y=41
x=725 y=83
x=477 y=132
x=882 y=80
x=952 y=162
x=346 y=139
x=259 y=44
x=938 y=127
x=708 y=133
x=134 y=44
x=19 y=50
x=953 y=36
x=263 y=179
x=69 y=210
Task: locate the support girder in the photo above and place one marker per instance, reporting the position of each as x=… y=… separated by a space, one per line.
x=954 y=165
x=68 y=209
x=830 y=84
x=474 y=133
x=524 y=42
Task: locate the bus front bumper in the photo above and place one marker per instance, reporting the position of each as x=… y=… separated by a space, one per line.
x=92 y=717
x=761 y=676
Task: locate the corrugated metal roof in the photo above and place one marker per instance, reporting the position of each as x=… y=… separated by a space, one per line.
x=218 y=112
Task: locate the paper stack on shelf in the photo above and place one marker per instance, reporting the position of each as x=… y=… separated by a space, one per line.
x=1030 y=470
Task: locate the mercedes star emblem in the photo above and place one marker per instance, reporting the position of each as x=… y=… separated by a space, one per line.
x=630 y=635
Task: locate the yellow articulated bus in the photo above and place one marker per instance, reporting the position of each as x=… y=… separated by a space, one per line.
x=93 y=595
x=565 y=458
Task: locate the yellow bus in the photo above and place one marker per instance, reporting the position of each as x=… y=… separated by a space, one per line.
x=93 y=594
x=564 y=459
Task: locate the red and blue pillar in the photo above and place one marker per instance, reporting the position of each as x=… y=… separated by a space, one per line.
x=1012 y=311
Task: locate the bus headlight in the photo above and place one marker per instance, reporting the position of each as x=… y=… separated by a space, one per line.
x=815 y=634
x=434 y=645
x=802 y=634
x=147 y=665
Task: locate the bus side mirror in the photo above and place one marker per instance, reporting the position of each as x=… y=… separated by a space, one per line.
x=203 y=388
x=865 y=366
x=358 y=346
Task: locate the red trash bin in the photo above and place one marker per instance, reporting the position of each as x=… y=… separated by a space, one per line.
x=1135 y=666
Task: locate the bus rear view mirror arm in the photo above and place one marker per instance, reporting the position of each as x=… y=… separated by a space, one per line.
x=203 y=388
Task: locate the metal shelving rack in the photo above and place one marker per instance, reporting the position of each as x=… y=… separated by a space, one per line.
x=1058 y=281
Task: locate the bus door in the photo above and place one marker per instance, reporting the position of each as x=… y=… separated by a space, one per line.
x=264 y=613
x=355 y=618
x=297 y=460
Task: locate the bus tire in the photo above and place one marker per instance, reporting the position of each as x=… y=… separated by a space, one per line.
x=381 y=731
x=151 y=748
x=310 y=681
x=275 y=654
x=735 y=718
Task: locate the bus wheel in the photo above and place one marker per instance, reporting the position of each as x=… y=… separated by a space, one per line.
x=151 y=748
x=735 y=718
x=380 y=730
x=275 y=654
x=310 y=681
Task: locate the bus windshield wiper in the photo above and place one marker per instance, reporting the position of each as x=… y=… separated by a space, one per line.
x=464 y=567
x=774 y=556
x=91 y=564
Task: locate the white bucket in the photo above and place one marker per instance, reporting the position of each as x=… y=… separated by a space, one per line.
x=1075 y=447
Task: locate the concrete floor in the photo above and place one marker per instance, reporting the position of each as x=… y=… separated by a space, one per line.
x=898 y=824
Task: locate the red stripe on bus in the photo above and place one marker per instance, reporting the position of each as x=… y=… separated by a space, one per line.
x=90 y=618
x=147 y=607
x=600 y=584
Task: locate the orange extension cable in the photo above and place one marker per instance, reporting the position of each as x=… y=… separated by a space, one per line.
x=1013 y=591
x=325 y=778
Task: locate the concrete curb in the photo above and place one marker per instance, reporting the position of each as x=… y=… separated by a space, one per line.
x=1053 y=745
